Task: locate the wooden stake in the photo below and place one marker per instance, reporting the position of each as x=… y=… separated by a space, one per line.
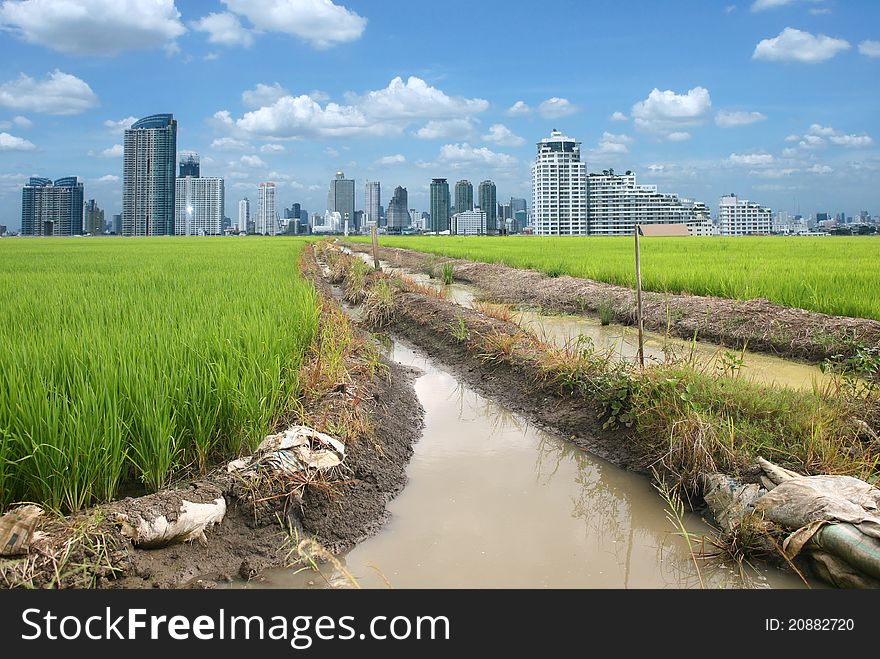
x=374 y=233
x=638 y=231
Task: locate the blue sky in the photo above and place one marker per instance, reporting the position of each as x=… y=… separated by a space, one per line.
x=776 y=100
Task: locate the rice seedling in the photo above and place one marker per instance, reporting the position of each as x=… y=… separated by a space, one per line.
x=447 y=273
x=139 y=360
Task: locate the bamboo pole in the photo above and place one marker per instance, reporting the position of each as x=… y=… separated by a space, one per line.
x=374 y=234
x=637 y=231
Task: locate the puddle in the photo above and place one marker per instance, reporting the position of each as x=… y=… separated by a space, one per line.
x=493 y=502
x=622 y=341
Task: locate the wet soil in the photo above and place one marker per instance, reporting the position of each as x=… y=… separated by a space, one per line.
x=758 y=324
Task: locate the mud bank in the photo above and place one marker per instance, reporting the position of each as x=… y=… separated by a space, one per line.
x=375 y=411
x=758 y=324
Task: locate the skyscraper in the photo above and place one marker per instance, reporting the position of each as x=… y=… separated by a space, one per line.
x=373 y=202
x=149 y=177
x=267 y=218
x=341 y=200
x=189 y=164
x=52 y=209
x=439 y=205
x=398 y=210
x=559 y=188
x=464 y=196
x=200 y=206
x=487 y=194
x=244 y=215
x=93 y=218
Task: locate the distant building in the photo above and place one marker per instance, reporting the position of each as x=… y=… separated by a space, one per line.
x=244 y=215
x=373 y=202
x=398 y=213
x=559 y=188
x=148 y=186
x=341 y=200
x=741 y=217
x=93 y=218
x=52 y=209
x=189 y=165
x=469 y=223
x=266 y=223
x=616 y=204
x=488 y=199
x=439 y=206
x=200 y=206
x=117 y=224
x=464 y=196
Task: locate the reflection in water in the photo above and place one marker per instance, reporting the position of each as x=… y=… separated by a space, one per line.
x=491 y=501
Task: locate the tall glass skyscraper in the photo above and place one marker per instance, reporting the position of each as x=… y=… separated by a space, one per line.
x=439 y=205
x=464 y=196
x=52 y=209
x=373 y=202
x=398 y=210
x=189 y=165
x=148 y=187
x=487 y=194
x=341 y=200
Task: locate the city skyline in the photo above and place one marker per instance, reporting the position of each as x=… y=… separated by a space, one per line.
x=779 y=110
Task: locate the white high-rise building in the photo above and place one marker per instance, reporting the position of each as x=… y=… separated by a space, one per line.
x=199 y=206
x=469 y=223
x=244 y=215
x=616 y=205
x=266 y=223
x=741 y=217
x=559 y=188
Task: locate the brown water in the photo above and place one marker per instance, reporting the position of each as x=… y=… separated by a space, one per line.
x=493 y=502
x=622 y=342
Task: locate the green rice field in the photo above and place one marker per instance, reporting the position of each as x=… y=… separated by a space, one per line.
x=126 y=361
x=834 y=275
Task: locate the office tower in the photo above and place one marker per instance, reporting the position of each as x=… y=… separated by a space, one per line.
x=616 y=204
x=439 y=206
x=373 y=203
x=341 y=200
x=741 y=217
x=149 y=177
x=559 y=187
x=469 y=223
x=244 y=215
x=464 y=196
x=189 y=164
x=487 y=196
x=117 y=224
x=266 y=223
x=52 y=209
x=398 y=211
x=93 y=218
x=199 y=206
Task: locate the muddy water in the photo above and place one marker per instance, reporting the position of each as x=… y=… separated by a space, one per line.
x=493 y=502
x=621 y=342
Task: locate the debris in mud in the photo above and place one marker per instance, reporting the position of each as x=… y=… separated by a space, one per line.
x=296 y=449
x=16 y=529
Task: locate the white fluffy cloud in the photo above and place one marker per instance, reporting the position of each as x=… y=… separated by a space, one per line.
x=794 y=45
x=22 y=122
x=396 y=159
x=379 y=113
x=731 y=119
x=613 y=144
x=449 y=129
x=678 y=136
x=667 y=112
x=272 y=148
x=618 y=116
x=59 y=93
x=519 y=109
x=253 y=161
x=763 y=5
x=870 y=48
x=119 y=127
x=97 y=27
x=502 y=136
x=12 y=143
x=461 y=155
x=818 y=135
x=263 y=95
x=115 y=151
x=224 y=29
x=229 y=144
x=108 y=178
x=751 y=159
x=320 y=23
x=556 y=108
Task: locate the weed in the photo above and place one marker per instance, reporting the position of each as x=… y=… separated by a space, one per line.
x=379 y=304
x=447 y=273
x=460 y=331
x=498 y=311
x=606 y=312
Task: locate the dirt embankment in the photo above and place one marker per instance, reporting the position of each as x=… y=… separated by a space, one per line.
x=758 y=324
x=377 y=410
